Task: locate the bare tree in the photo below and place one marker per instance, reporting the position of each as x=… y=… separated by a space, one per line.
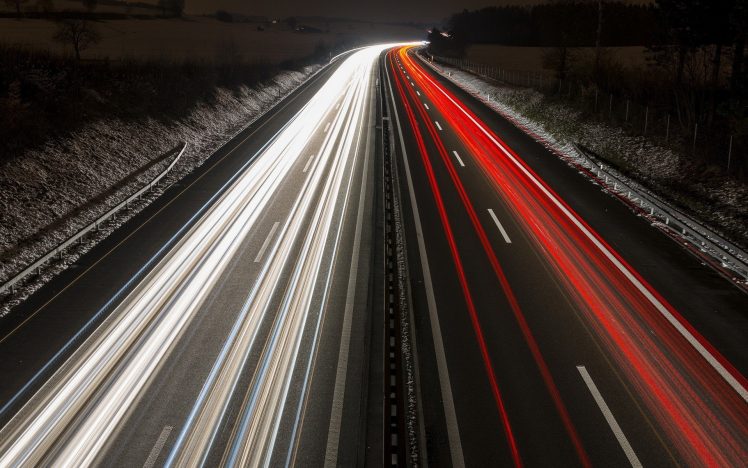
x=46 y=6
x=78 y=33
x=90 y=5
x=17 y=4
x=172 y=7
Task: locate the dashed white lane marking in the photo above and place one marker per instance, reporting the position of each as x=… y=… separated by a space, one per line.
x=157 y=447
x=459 y=159
x=327 y=127
x=437 y=125
x=633 y=459
x=501 y=228
x=267 y=242
x=426 y=106
x=418 y=93
x=308 y=163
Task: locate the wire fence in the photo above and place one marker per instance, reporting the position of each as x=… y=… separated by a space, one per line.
x=720 y=149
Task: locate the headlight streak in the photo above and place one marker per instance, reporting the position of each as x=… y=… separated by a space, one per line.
x=297 y=301
x=684 y=384
x=72 y=417
x=300 y=290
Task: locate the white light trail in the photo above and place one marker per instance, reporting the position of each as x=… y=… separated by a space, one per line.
x=69 y=421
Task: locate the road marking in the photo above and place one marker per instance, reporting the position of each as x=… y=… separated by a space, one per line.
x=453 y=429
x=624 y=269
x=501 y=228
x=309 y=161
x=459 y=159
x=267 y=242
x=633 y=459
x=327 y=127
x=437 y=125
x=418 y=93
x=277 y=108
x=426 y=106
x=337 y=106
x=338 y=397
x=157 y=447
x=413 y=85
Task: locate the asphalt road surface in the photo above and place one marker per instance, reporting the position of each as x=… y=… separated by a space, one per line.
x=229 y=322
x=217 y=326
x=555 y=327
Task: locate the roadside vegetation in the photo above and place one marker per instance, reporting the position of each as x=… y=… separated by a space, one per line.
x=688 y=93
x=44 y=96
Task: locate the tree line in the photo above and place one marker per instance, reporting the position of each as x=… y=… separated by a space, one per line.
x=694 y=49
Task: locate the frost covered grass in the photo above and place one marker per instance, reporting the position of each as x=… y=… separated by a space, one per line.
x=704 y=192
x=50 y=192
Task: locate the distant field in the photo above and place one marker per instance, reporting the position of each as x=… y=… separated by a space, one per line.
x=531 y=58
x=202 y=38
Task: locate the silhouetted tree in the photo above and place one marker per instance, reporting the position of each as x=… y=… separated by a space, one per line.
x=174 y=8
x=45 y=6
x=17 y=5
x=78 y=33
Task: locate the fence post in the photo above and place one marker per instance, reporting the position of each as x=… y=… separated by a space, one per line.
x=729 y=154
x=646 y=119
x=610 y=107
x=627 y=111
x=596 y=92
x=667 y=129
x=695 y=132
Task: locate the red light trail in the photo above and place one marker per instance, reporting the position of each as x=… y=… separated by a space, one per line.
x=695 y=396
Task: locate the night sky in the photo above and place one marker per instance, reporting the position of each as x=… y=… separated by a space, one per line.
x=394 y=10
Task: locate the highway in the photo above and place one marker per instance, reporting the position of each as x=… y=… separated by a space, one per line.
x=218 y=327
x=555 y=326
x=240 y=319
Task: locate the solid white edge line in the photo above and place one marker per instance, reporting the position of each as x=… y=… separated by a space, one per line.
x=157 y=447
x=437 y=125
x=459 y=159
x=501 y=228
x=708 y=356
x=450 y=415
x=620 y=436
x=308 y=163
x=267 y=242
x=336 y=413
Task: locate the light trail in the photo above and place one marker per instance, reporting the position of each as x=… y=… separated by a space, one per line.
x=694 y=394
x=73 y=417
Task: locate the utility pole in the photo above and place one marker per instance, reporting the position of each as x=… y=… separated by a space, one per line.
x=598 y=40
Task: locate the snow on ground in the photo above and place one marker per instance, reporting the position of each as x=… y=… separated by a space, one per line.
x=714 y=198
x=46 y=194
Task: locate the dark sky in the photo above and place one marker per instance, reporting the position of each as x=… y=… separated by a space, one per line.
x=401 y=10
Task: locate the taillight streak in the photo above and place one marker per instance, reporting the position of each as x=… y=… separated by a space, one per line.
x=506 y=287
x=687 y=393
x=461 y=275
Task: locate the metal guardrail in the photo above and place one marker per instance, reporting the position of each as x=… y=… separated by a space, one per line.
x=36 y=267
x=728 y=254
